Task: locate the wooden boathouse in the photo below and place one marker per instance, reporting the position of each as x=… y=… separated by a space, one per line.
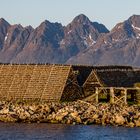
x=63 y=82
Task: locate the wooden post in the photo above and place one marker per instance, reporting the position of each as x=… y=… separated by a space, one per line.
x=97 y=95
x=112 y=95
x=125 y=96
x=138 y=96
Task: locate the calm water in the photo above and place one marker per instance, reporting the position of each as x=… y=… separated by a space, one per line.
x=66 y=132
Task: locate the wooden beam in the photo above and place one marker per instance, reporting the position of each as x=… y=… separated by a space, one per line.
x=125 y=96
x=111 y=95
x=97 y=95
x=120 y=88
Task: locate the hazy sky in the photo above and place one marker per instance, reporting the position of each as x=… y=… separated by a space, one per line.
x=33 y=12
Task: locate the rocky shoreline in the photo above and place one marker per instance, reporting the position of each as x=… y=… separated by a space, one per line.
x=77 y=112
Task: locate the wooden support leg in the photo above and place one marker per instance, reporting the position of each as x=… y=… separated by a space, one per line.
x=125 y=96
x=108 y=96
x=97 y=95
x=138 y=96
x=112 y=95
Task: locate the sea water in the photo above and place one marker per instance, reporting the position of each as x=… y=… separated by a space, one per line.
x=44 y=131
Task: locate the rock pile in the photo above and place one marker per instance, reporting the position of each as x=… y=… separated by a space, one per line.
x=77 y=112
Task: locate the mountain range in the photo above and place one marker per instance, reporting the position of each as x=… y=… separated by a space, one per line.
x=80 y=42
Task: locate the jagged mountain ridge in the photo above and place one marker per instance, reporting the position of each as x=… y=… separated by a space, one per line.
x=121 y=46
x=80 y=42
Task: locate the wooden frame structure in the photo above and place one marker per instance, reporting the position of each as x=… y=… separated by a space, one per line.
x=44 y=82
x=107 y=83
x=115 y=98
x=120 y=97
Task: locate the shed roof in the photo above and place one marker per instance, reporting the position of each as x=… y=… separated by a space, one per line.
x=116 y=77
x=44 y=82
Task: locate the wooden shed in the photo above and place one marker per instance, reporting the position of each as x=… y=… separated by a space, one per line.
x=111 y=77
x=38 y=82
x=60 y=82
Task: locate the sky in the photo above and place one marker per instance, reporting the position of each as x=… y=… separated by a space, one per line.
x=33 y=12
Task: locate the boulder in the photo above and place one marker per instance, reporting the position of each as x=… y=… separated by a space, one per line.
x=76 y=117
x=60 y=116
x=47 y=108
x=74 y=114
x=4 y=111
x=91 y=109
x=131 y=124
x=137 y=123
x=95 y=116
x=119 y=120
x=32 y=108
